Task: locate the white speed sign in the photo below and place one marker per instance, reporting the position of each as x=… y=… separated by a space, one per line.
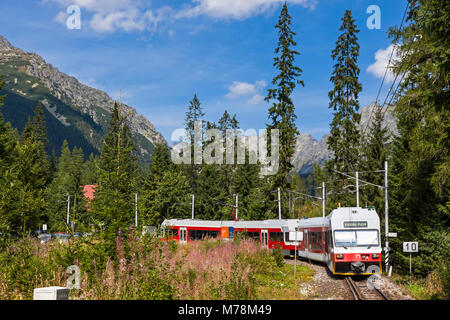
x=410 y=247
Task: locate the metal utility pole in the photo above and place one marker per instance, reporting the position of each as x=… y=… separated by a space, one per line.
x=73 y=217
x=295 y=253
x=237 y=206
x=290 y=205
x=279 y=204
x=386 y=213
x=193 y=201
x=323 y=199
x=136 y=213
x=68 y=207
x=357 y=189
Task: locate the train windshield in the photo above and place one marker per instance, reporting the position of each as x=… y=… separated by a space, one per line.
x=356 y=238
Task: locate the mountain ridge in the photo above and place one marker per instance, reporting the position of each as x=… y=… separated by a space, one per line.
x=308 y=150
x=73 y=104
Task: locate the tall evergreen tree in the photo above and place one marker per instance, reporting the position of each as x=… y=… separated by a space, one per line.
x=344 y=137
x=9 y=188
x=374 y=151
x=89 y=175
x=194 y=113
x=32 y=169
x=117 y=176
x=344 y=134
x=282 y=112
x=67 y=182
x=228 y=172
x=165 y=189
x=420 y=174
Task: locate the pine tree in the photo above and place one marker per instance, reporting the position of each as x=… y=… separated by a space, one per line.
x=67 y=182
x=344 y=134
x=40 y=128
x=228 y=173
x=375 y=150
x=117 y=177
x=89 y=175
x=194 y=113
x=282 y=112
x=31 y=167
x=420 y=163
x=165 y=189
x=9 y=188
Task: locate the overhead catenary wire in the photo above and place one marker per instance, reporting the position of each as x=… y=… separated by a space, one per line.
x=385 y=73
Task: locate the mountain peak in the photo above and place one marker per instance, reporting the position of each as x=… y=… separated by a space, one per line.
x=75 y=111
x=4 y=43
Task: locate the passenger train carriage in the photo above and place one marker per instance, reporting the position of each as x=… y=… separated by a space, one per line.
x=347 y=240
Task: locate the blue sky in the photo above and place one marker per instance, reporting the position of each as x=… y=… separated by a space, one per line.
x=160 y=53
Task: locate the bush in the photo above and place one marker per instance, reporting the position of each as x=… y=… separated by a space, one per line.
x=278 y=255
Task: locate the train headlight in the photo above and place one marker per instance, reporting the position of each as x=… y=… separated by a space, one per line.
x=375 y=255
x=340 y=256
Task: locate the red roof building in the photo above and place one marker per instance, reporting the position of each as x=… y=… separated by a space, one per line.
x=88 y=191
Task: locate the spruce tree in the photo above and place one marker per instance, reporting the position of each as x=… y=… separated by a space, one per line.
x=118 y=171
x=420 y=175
x=9 y=188
x=228 y=172
x=165 y=189
x=375 y=150
x=89 y=175
x=282 y=112
x=67 y=182
x=344 y=134
x=194 y=113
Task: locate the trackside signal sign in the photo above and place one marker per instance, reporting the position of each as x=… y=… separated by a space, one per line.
x=410 y=247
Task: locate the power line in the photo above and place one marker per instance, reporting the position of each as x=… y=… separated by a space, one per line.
x=385 y=73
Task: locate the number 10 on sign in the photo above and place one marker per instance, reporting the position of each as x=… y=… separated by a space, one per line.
x=410 y=247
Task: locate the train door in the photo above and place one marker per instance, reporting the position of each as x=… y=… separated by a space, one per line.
x=264 y=240
x=183 y=235
x=306 y=242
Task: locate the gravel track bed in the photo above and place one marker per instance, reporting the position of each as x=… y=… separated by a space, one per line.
x=326 y=286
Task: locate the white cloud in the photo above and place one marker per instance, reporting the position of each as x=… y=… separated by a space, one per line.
x=112 y=15
x=378 y=68
x=247 y=90
x=236 y=9
x=138 y=15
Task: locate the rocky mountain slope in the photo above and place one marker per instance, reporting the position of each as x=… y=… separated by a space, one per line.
x=74 y=111
x=308 y=150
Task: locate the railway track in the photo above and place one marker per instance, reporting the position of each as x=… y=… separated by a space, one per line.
x=361 y=291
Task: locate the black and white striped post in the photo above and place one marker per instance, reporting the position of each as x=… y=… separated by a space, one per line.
x=386 y=215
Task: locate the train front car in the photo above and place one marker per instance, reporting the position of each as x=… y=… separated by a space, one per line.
x=356 y=241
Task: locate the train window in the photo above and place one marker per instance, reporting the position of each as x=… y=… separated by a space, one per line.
x=356 y=238
x=201 y=234
x=276 y=236
x=172 y=233
x=247 y=234
x=316 y=240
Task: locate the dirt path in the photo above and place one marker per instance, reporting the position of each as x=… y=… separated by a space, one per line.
x=326 y=286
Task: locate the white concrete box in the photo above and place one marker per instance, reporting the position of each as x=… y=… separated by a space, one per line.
x=51 y=293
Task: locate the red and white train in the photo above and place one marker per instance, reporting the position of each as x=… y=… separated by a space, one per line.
x=347 y=240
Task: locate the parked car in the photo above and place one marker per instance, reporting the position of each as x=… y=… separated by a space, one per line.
x=63 y=237
x=44 y=237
